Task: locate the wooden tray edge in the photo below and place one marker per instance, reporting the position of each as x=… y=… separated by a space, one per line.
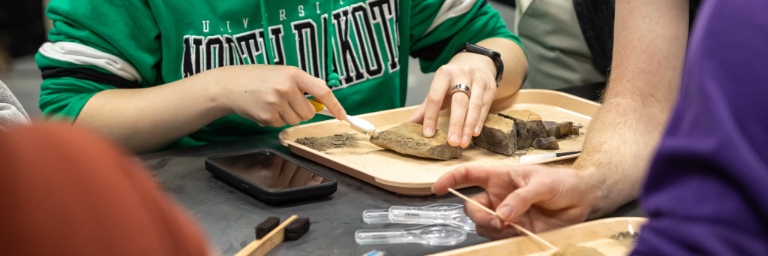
x=461 y=251
x=411 y=191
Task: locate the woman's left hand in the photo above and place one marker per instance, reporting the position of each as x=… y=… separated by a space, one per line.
x=467 y=113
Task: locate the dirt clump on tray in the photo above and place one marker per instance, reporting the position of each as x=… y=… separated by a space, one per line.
x=343 y=140
x=409 y=139
x=626 y=238
x=576 y=250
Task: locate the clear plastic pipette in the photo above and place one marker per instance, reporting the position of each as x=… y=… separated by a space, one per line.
x=430 y=214
x=434 y=234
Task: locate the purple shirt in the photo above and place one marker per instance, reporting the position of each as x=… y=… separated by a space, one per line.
x=707 y=190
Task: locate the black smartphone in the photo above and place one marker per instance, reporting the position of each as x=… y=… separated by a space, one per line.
x=270 y=176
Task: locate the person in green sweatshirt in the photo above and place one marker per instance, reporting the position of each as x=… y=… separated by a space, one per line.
x=161 y=74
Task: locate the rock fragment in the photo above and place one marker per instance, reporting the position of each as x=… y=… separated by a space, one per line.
x=558 y=130
x=498 y=135
x=528 y=125
x=548 y=143
x=574 y=131
x=408 y=139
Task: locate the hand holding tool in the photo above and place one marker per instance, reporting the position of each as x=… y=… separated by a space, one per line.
x=358 y=124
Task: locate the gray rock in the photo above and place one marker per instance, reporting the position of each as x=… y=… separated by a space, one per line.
x=528 y=125
x=558 y=130
x=548 y=143
x=498 y=135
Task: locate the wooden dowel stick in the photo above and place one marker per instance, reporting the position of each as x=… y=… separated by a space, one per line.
x=529 y=233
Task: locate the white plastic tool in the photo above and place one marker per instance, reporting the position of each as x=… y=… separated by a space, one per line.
x=542 y=157
x=431 y=214
x=358 y=124
x=434 y=234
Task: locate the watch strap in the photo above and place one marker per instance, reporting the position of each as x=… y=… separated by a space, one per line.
x=495 y=57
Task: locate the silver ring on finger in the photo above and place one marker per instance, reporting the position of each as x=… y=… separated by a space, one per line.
x=461 y=88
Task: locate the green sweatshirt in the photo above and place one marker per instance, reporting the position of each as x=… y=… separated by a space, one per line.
x=100 y=45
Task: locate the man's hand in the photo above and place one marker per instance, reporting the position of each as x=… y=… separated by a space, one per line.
x=538 y=198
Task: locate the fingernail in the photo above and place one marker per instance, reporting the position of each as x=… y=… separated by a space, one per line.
x=454 y=139
x=496 y=223
x=477 y=129
x=505 y=212
x=465 y=141
x=429 y=132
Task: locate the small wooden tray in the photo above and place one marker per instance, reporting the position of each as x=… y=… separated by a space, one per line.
x=414 y=176
x=595 y=234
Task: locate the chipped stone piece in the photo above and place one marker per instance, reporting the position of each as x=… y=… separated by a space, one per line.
x=528 y=125
x=548 y=143
x=498 y=135
x=408 y=139
x=558 y=130
x=574 y=131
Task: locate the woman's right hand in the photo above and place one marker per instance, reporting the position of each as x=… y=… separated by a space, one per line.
x=273 y=95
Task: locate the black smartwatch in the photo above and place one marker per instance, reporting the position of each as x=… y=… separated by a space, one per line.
x=495 y=56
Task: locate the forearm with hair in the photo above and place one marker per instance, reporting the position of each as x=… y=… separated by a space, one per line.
x=620 y=144
x=649 y=47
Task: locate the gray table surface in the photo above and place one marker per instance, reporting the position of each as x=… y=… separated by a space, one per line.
x=229 y=216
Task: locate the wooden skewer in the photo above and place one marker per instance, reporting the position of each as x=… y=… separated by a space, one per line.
x=531 y=234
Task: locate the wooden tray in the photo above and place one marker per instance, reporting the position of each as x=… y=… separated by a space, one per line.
x=595 y=234
x=414 y=176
